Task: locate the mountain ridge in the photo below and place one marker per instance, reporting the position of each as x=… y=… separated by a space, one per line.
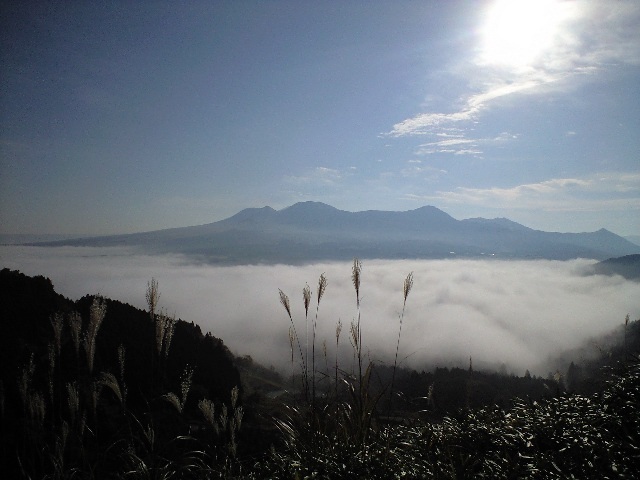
x=627 y=266
x=314 y=231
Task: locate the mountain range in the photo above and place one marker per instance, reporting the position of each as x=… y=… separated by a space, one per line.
x=312 y=231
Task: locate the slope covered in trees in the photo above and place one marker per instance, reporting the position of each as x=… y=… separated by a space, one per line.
x=60 y=361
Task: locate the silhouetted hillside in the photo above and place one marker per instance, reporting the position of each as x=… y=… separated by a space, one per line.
x=36 y=365
x=627 y=266
x=28 y=303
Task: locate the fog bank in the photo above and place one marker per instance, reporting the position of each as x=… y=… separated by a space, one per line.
x=514 y=312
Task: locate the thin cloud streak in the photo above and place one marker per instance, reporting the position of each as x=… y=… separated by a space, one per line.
x=329 y=177
x=425 y=123
x=458 y=145
x=519 y=313
x=607 y=191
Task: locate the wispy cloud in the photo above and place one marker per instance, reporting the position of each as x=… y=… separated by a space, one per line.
x=458 y=145
x=433 y=123
x=424 y=172
x=423 y=124
x=589 y=36
x=320 y=176
x=607 y=191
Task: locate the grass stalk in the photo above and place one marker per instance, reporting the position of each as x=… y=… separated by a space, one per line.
x=408 y=284
x=356 y=273
x=284 y=300
x=322 y=286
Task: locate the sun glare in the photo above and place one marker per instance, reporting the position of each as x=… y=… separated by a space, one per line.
x=517 y=33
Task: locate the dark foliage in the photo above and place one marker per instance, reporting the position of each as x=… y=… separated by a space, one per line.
x=569 y=436
x=26 y=308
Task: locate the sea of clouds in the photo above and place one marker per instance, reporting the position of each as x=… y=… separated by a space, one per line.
x=514 y=313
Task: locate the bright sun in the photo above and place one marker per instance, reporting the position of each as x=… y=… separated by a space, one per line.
x=517 y=33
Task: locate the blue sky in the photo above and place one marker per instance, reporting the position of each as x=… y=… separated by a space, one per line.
x=119 y=117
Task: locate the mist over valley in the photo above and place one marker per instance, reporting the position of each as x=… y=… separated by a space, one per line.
x=516 y=313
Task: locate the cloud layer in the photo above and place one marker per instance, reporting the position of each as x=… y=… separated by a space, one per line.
x=518 y=313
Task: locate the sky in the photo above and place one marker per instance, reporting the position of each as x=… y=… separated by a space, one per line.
x=522 y=314
x=119 y=117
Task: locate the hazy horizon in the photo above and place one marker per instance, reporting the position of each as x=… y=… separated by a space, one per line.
x=517 y=313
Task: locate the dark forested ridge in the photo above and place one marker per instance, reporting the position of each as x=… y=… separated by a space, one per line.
x=35 y=364
x=146 y=404
x=27 y=305
x=313 y=231
x=627 y=266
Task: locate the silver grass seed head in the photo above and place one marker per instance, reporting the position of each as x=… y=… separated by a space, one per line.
x=168 y=333
x=238 y=417
x=173 y=399
x=284 y=300
x=108 y=379
x=207 y=408
x=51 y=351
x=57 y=322
x=356 y=273
x=75 y=325
x=96 y=314
x=222 y=419
x=234 y=396
x=306 y=297
x=152 y=295
x=322 y=286
x=185 y=384
x=121 y=358
x=408 y=284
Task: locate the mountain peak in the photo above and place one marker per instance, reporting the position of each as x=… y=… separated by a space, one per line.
x=310 y=206
x=432 y=211
x=309 y=214
x=252 y=214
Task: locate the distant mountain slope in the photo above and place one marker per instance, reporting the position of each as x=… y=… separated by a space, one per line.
x=22 y=238
x=627 y=266
x=313 y=231
x=635 y=239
